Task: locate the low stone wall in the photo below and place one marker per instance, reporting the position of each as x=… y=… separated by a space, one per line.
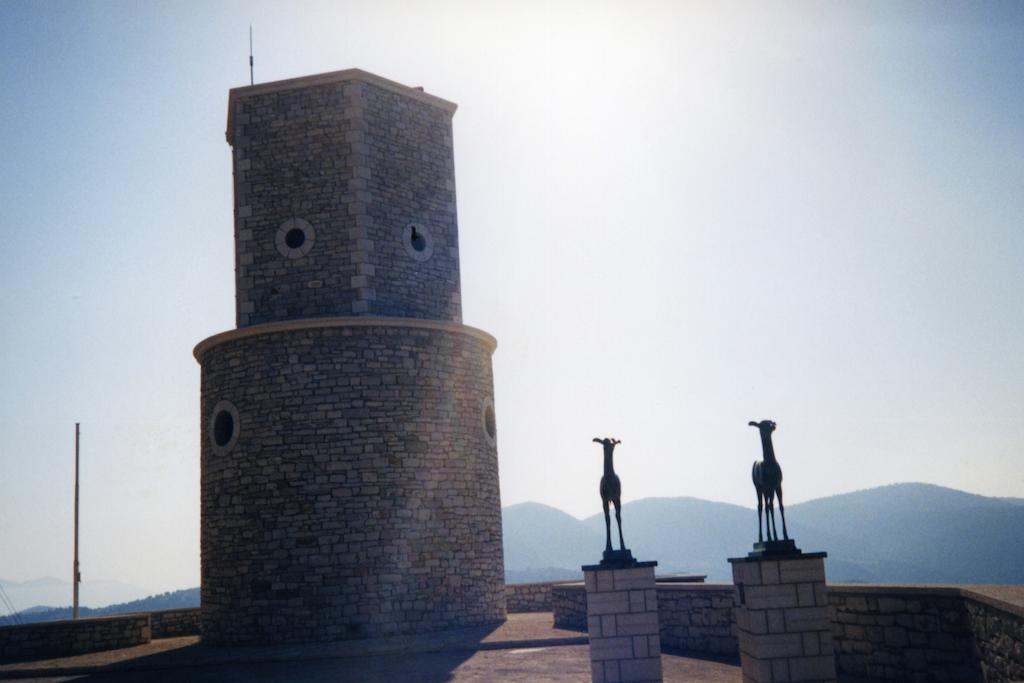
x=71 y=637
x=531 y=597
x=171 y=623
x=901 y=633
x=998 y=629
x=905 y=633
x=698 y=618
x=569 y=603
x=693 y=617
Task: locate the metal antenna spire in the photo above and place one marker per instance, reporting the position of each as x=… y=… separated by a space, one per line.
x=251 y=81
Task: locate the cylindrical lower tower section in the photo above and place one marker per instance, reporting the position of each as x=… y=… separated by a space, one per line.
x=349 y=480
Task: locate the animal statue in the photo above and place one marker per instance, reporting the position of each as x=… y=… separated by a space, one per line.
x=767 y=476
x=611 y=491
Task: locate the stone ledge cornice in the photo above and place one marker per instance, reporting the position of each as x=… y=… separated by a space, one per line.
x=324 y=323
x=979 y=594
x=332 y=77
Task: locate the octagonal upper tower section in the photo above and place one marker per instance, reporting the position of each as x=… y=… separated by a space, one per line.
x=344 y=189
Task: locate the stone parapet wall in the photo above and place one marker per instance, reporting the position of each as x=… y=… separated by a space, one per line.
x=698 y=618
x=532 y=597
x=693 y=617
x=998 y=637
x=171 y=623
x=569 y=604
x=903 y=633
x=71 y=637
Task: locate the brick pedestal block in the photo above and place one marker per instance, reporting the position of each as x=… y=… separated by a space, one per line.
x=622 y=622
x=782 y=618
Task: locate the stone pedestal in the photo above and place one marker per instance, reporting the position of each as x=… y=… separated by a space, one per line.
x=622 y=621
x=782 y=616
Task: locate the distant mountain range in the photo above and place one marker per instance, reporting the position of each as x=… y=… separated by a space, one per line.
x=188 y=597
x=903 y=533
x=48 y=590
x=916 y=533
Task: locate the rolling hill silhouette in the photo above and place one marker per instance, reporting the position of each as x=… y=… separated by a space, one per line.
x=915 y=533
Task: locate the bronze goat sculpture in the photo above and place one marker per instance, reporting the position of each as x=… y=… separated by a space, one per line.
x=611 y=491
x=767 y=476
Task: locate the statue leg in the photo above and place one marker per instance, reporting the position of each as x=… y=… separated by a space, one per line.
x=607 y=528
x=760 y=508
x=618 y=521
x=769 y=517
x=782 y=511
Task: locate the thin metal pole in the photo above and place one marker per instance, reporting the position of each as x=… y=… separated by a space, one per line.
x=77 y=576
x=251 y=77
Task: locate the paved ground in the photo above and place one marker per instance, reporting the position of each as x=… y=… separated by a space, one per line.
x=537 y=665
x=525 y=648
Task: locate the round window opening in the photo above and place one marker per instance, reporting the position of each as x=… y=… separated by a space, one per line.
x=416 y=239
x=489 y=425
x=223 y=428
x=294 y=238
x=492 y=429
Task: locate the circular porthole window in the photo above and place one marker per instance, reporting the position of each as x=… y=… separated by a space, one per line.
x=489 y=424
x=418 y=241
x=295 y=238
x=223 y=427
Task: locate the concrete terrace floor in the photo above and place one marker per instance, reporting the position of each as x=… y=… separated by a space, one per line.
x=525 y=648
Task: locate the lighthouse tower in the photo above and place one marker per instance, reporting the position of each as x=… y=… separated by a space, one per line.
x=349 y=467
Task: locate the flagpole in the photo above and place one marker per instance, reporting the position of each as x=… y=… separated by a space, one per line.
x=76 y=576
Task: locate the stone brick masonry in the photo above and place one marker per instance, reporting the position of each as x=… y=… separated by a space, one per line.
x=361 y=498
x=782 y=619
x=171 y=623
x=359 y=159
x=532 y=597
x=693 y=618
x=68 y=637
x=927 y=633
x=898 y=633
x=697 y=619
x=999 y=639
x=622 y=622
x=349 y=463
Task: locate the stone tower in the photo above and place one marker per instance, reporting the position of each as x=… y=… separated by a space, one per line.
x=349 y=467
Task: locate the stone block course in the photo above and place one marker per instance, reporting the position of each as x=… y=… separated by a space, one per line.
x=359 y=162
x=952 y=634
x=623 y=641
x=779 y=626
x=171 y=623
x=361 y=498
x=349 y=476
x=530 y=597
x=999 y=638
x=49 y=639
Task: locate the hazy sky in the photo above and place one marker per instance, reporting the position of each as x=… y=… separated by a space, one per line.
x=675 y=218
